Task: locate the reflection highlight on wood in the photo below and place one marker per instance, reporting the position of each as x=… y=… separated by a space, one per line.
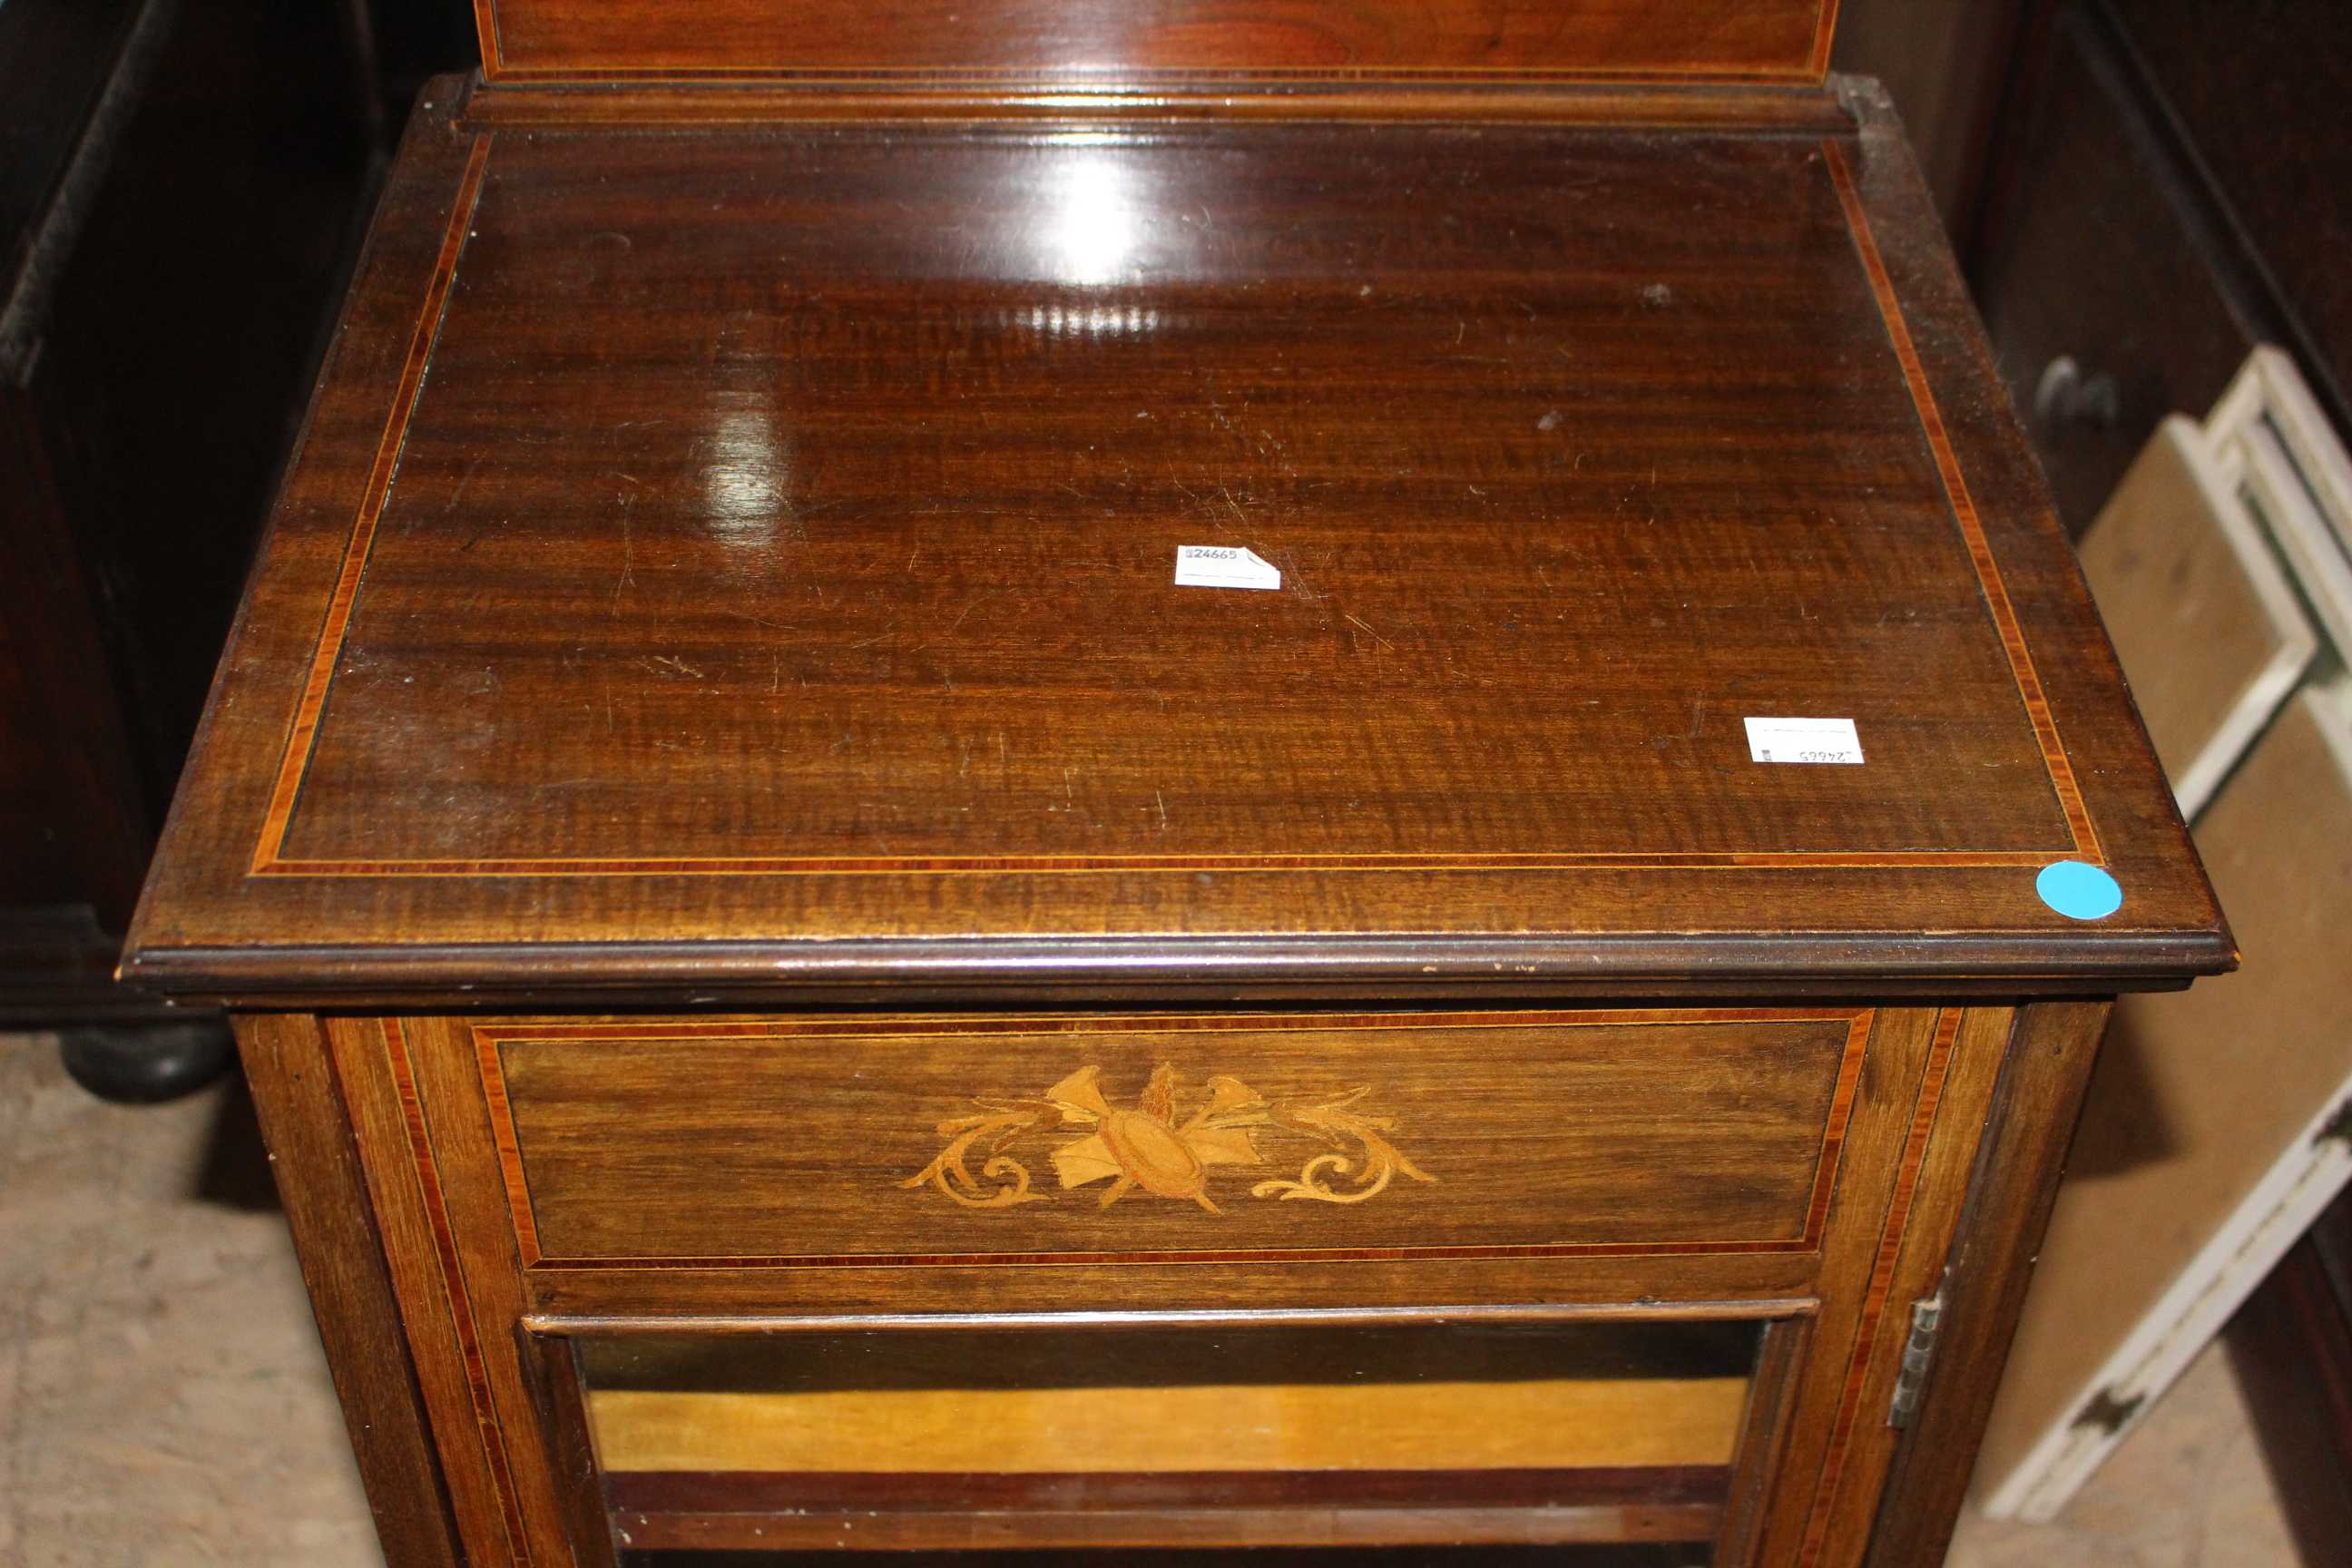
x=1543 y=1423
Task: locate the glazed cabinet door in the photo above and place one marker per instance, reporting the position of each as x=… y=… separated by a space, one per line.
x=1245 y=1432
x=1590 y=1278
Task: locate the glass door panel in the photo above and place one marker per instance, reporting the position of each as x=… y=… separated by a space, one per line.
x=1203 y=1434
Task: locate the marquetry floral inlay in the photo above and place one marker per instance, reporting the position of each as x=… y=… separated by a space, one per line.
x=1166 y=1144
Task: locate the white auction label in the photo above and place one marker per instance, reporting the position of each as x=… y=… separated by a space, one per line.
x=1803 y=740
x=1222 y=566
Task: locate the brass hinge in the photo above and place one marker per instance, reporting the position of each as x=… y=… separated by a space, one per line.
x=1926 y=1316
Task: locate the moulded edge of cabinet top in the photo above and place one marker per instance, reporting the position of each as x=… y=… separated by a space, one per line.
x=735 y=562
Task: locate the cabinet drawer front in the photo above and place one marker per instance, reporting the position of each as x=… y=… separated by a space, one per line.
x=826 y=1141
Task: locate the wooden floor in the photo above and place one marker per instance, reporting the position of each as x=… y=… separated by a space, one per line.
x=164 y=1403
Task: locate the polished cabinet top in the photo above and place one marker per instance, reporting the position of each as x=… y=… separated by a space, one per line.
x=729 y=556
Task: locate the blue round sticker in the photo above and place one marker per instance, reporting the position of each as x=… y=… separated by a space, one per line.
x=2079 y=891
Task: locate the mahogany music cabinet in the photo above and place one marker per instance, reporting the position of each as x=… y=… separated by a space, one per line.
x=1196 y=773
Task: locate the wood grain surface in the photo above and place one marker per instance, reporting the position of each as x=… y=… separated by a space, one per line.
x=814 y=1143
x=1691 y=1164
x=1021 y=690
x=1114 y=41
x=749 y=552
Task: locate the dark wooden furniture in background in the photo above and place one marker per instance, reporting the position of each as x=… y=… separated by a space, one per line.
x=805 y=994
x=1947 y=65
x=181 y=183
x=2165 y=192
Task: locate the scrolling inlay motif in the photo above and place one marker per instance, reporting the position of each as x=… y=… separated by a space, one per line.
x=1157 y=1147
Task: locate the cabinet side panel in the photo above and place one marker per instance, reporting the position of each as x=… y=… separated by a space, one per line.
x=2010 y=1195
x=1901 y=1085
x=445 y=1369
x=1910 y=1268
x=301 y=1108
